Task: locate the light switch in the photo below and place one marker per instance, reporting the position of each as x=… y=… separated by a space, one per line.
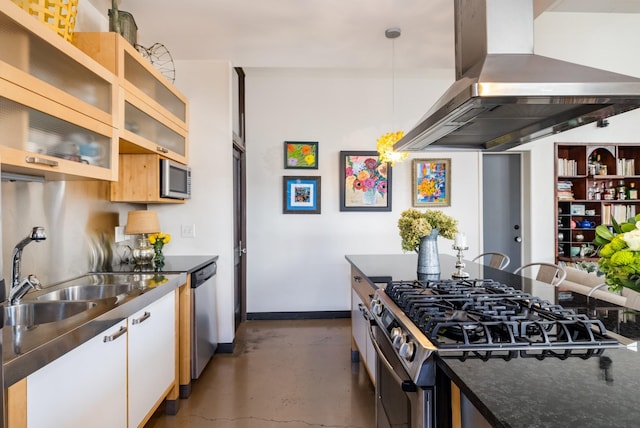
x=188 y=231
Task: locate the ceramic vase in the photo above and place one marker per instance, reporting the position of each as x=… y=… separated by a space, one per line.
x=428 y=259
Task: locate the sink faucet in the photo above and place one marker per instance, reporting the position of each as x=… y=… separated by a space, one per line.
x=20 y=287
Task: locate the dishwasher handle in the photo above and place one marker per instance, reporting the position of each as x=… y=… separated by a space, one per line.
x=203 y=274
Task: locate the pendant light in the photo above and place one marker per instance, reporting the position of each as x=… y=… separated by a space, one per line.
x=386 y=141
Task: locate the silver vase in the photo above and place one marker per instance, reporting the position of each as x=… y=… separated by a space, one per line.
x=428 y=259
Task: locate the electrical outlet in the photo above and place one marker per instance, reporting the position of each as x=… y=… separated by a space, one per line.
x=188 y=231
x=120 y=236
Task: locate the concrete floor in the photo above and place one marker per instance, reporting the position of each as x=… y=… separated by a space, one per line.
x=283 y=374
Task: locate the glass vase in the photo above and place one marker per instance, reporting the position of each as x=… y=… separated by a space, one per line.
x=158 y=259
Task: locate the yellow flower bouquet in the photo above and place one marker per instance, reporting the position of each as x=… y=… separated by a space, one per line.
x=158 y=241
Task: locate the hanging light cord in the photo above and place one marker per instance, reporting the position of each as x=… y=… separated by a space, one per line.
x=393 y=83
x=386 y=142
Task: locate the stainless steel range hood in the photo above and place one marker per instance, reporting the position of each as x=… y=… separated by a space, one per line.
x=504 y=95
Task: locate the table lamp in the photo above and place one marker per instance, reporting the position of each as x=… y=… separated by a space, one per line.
x=142 y=223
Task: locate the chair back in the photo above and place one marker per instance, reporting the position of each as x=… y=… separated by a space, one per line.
x=547 y=272
x=497 y=260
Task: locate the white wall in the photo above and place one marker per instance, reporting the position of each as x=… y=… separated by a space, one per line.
x=207 y=86
x=296 y=262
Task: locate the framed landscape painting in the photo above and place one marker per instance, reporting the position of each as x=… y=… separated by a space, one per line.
x=431 y=183
x=365 y=182
x=301 y=195
x=301 y=155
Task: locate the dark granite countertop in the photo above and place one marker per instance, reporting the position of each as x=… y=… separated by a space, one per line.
x=535 y=393
x=173 y=264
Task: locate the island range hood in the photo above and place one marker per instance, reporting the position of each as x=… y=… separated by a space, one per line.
x=504 y=95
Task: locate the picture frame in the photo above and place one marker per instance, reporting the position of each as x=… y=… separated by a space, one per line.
x=301 y=195
x=301 y=154
x=578 y=209
x=365 y=182
x=431 y=183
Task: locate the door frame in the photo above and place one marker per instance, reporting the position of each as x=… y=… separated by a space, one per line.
x=240 y=207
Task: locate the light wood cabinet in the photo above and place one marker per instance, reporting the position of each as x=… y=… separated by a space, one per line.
x=154 y=116
x=139 y=180
x=588 y=195
x=87 y=387
x=56 y=104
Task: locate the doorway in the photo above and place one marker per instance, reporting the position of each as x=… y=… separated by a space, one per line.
x=239 y=232
x=502 y=202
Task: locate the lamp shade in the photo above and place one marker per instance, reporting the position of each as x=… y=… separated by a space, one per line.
x=143 y=221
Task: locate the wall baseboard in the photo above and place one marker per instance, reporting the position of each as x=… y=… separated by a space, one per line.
x=298 y=315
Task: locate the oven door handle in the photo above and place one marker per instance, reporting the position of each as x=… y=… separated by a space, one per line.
x=406 y=385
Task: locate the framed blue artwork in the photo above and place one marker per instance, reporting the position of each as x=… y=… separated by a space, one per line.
x=301 y=195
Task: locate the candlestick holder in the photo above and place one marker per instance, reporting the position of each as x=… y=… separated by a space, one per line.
x=460 y=273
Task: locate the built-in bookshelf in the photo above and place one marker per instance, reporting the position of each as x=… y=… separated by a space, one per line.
x=594 y=184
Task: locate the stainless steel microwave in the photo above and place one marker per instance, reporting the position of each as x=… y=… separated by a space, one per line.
x=175 y=180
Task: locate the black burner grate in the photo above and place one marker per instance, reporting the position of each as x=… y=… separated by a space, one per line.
x=487 y=319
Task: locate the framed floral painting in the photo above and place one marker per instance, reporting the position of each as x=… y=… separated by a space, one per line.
x=301 y=155
x=365 y=182
x=301 y=195
x=431 y=182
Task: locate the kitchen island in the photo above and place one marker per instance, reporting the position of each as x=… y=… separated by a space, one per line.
x=526 y=392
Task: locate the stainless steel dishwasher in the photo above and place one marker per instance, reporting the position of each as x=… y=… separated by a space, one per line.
x=204 y=327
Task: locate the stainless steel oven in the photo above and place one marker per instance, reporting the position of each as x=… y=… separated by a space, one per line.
x=399 y=401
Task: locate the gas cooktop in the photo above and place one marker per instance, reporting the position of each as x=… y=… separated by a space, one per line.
x=486 y=319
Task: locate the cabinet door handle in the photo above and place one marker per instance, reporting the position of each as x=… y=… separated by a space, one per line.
x=142 y=319
x=357 y=278
x=162 y=149
x=117 y=334
x=40 y=161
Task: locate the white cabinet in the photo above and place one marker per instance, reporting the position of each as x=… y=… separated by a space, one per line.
x=360 y=334
x=116 y=379
x=152 y=357
x=84 y=388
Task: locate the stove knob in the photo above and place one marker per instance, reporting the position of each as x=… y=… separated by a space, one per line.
x=399 y=340
x=376 y=307
x=407 y=350
x=396 y=336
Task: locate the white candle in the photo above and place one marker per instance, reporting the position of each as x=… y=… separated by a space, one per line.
x=461 y=240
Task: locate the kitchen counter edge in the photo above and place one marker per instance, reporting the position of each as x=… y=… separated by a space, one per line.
x=22 y=365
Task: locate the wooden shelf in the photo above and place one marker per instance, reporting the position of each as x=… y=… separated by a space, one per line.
x=574 y=210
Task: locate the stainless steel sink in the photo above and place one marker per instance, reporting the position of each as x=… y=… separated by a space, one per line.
x=88 y=292
x=33 y=313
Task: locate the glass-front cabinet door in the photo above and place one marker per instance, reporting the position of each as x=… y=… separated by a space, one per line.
x=154 y=115
x=56 y=104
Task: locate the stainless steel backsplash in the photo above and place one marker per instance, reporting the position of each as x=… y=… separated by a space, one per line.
x=79 y=222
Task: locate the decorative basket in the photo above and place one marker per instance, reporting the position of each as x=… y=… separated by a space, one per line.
x=59 y=15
